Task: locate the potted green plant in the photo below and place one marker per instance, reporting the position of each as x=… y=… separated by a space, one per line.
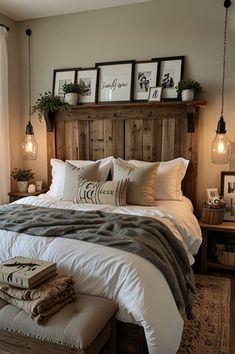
x=22 y=177
x=71 y=90
x=188 y=89
x=46 y=104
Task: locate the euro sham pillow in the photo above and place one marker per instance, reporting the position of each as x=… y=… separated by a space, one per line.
x=58 y=173
x=110 y=192
x=169 y=177
x=72 y=174
x=141 y=181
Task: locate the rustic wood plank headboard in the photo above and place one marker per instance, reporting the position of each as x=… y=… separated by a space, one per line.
x=144 y=131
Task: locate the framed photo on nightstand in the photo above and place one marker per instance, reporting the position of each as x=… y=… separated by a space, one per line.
x=228 y=192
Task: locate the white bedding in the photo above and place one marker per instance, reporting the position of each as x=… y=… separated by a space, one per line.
x=140 y=290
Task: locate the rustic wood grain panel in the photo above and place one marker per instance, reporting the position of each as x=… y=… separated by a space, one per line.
x=97 y=139
x=168 y=139
x=134 y=139
x=60 y=140
x=108 y=138
x=157 y=139
x=119 y=138
x=83 y=140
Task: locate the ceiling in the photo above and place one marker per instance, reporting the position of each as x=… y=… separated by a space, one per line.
x=27 y=9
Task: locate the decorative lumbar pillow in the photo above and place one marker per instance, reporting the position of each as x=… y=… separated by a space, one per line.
x=72 y=174
x=169 y=177
x=141 y=189
x=110 y=192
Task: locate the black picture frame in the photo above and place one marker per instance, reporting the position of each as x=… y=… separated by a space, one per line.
x=170 y=73
x=91 y=79
x=146 y=75
x=115 y=81
x=62 y=76
x=228 y=192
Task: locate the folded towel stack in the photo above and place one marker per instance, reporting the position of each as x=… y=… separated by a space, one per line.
x=43 y=301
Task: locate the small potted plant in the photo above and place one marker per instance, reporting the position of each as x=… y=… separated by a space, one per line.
x=22 y=177
x=71 y=91
x=188 y=89
x=46 y=104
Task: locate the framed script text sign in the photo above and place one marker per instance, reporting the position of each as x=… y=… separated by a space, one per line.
x=115 y=81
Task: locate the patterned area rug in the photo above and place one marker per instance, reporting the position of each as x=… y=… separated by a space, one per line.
x=208 y=333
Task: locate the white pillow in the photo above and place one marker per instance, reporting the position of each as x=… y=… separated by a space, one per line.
x=169 y=177
x=58 y=173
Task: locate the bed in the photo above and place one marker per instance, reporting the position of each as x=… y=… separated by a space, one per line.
x=146 y=303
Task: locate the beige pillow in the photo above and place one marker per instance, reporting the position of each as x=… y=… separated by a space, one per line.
x=72 y=174
x=110 y=192
x=141 y=188
x=169 y=177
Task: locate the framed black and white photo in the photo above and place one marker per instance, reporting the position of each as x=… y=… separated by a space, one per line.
x=155 y=93
x=115 y=81
x=228 y=192
x=61 y=77
x=146 y=75
x=171 y=72
x=212 y=195
x=88 y=79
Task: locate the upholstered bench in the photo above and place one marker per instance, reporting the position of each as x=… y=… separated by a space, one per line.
x=84 y=326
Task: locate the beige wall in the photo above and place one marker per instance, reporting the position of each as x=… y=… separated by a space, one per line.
x=153 y=29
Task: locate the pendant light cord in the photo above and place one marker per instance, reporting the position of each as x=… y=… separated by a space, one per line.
x=227 y=4
x=224 y=62
x=29 y=32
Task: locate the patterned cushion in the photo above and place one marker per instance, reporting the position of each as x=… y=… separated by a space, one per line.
x=110 y=192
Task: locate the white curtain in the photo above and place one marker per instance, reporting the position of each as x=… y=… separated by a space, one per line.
x=4 y=121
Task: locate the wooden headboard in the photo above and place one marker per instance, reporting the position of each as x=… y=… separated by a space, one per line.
x=144 y=131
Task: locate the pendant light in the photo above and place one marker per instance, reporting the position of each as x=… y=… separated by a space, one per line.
x=221 y=145
x=29 y=145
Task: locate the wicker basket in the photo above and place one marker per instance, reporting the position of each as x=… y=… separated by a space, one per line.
x=212 y=215
x=225 y=257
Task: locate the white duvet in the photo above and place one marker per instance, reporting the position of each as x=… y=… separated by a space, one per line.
x=140 y=290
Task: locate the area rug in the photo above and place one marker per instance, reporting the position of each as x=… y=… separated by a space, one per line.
x=208 y=333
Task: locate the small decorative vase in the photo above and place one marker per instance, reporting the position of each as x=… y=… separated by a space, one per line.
x=187 y=95
x=71 y=98
x=22 y=186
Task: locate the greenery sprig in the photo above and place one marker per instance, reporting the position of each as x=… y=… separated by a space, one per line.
x=72 y=88
x=189 y=84
x=21 y=174
x=47 y=102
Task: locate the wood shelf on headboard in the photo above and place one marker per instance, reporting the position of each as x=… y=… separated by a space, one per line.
x=149 y=131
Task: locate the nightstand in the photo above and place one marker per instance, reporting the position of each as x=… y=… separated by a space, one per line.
x=18 y=195
x=222 y=233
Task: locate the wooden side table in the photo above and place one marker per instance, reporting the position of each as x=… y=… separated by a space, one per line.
x=211 y=232
x=18 y=195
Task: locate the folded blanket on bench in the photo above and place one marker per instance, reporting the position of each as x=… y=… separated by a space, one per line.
x=45 y=300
